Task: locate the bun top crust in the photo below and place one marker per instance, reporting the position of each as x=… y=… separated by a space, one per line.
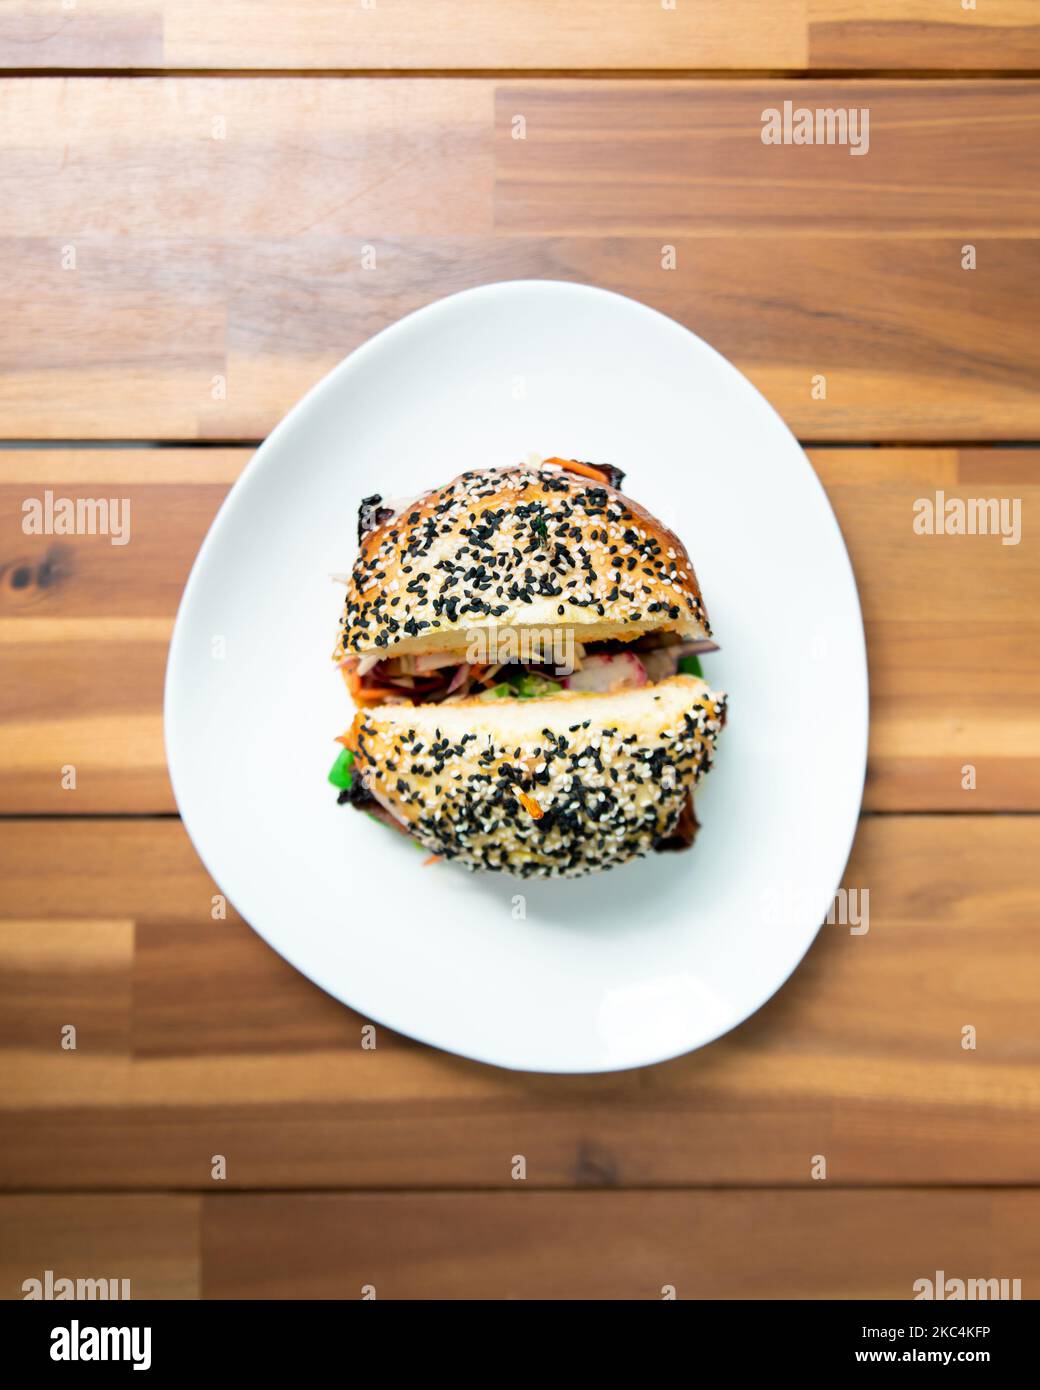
x=530 y=546
x=557 y=787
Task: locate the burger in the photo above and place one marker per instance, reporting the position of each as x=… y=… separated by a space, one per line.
x=522 y=648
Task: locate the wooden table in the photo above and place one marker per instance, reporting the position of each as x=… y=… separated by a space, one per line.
x=187 y=191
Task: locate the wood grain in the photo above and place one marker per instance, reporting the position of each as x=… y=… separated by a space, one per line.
x=84 y=624
x=461 y=34
x=219 y=1047
x=638 y=157
x=180 y=259
x=820 y=1244
x=705 y=1245
x=201 y=307
x=952 y=629
x=153 y=1241
x=921 y=33
x=951 y=624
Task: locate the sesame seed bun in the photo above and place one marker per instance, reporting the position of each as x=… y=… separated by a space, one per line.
x=552 y=787
x=527 y=548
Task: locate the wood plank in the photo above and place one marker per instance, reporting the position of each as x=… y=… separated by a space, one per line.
x=136 y=342
x=614 y=1245
x=112 y=606
x=152 y=1241
x=201 y=307
x=408 y=34
x=823 y=1244
x=639 y=157
x=229 y=1051
x=922 y=34
x=216 y=157
x=468 y=34
x=952 y=629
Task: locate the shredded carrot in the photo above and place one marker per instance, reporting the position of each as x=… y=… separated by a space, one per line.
x=585 y=469
x=375 y=694
x=433 y=859
x=367 y=694
x=530 y=805
x=350 y=738
x=478 y=671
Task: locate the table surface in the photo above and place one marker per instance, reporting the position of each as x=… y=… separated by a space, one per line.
x=186 y=189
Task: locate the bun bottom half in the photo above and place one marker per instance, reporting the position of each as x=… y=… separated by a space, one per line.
x=555 y=787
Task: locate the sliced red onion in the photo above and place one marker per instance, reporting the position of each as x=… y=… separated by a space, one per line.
x=459 y=679
x=694 y=647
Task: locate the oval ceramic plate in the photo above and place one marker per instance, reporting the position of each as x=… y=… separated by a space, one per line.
x=620 y=969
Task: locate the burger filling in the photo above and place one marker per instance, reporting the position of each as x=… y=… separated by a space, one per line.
x=447 y=677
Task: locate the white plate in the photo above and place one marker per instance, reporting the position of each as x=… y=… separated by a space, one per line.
x=620 y=969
